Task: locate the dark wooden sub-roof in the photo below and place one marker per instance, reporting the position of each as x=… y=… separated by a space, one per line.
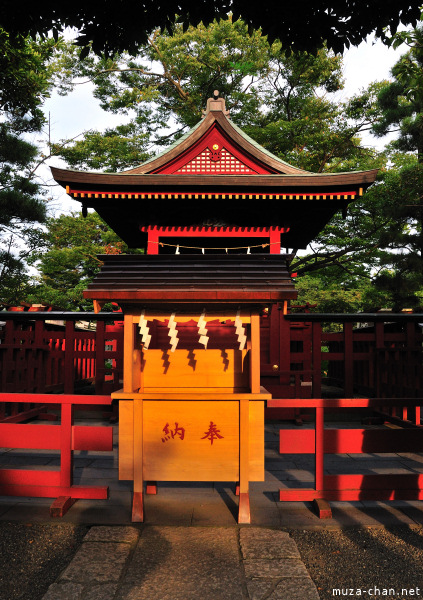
x=213 y=279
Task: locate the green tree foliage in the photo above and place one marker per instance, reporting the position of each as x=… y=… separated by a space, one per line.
x=113 y=25
x=327 y=292
x=383 y=233
x=282 y=100
x=401 y=104
x=67 y=260
x=25 y=81
x=26 y=75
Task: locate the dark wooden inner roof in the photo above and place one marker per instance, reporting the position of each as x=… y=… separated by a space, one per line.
x=156 y=279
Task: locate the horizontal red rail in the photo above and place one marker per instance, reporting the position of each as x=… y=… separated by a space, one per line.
x=48 y=491
x=343 y=402
x=351 y=441
x=47 y=437
x=54 y=398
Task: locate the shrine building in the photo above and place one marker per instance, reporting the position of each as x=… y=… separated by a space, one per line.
x=217 y=216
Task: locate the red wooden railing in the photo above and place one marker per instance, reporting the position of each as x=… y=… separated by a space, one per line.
x=378 y=354
x=370 y=354
x=46 y=352
x=64 y=438
x=321 y=441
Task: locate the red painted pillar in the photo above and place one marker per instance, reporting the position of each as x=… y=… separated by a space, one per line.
x=100 y=358
x=284 y=346
x=275 y=240
x=153 y=241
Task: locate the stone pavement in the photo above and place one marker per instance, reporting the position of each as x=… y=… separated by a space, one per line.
x=185 y=563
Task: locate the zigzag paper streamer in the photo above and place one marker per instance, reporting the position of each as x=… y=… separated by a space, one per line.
x=144 y=331
x=173 y=332
x=240 y=331
x=204 y=339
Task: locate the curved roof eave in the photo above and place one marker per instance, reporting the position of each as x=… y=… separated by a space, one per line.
x=135 y=179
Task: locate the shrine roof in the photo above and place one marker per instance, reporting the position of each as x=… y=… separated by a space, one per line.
x=215 y=174
x=180 y=279
x=215 y=153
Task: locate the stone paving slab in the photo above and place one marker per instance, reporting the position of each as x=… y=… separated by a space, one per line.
x=76 y=591
x=277 y=568
x=178 y=563
x=287 y=589
x=97 y=562
x=266 y=543
x=128 y=534
x=184 y=563
x=273 y=566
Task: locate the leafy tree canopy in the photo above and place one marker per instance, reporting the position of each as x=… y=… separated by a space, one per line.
x=112 y=26
x=25 y=81
x=284 y=101
x=67 y=259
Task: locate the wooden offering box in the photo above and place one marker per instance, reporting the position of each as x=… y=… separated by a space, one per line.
x=191 y=407
x=194 y=414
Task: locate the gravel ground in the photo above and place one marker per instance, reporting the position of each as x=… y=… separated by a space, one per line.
x=33 y=555
x=364 y=563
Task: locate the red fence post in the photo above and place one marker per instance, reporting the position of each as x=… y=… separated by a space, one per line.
x=69 y=374
x=284 y=349
x=66 y=452
x=348 y=360
x=317 y=359
x=100 y=357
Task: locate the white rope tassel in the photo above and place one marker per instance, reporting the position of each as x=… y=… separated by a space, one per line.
x=204 y=339
x=144 y=331
x=173 y=332
x=240 y=331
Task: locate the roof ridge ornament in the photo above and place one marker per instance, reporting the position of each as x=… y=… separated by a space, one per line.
x=216 y=104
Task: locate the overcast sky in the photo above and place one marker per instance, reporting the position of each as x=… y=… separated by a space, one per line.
x=73 y=114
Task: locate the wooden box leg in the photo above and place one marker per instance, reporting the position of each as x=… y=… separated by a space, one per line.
x=137 y=507
x=244 y=508
x=244 y=460
x=138 y=496
x=151 y=487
